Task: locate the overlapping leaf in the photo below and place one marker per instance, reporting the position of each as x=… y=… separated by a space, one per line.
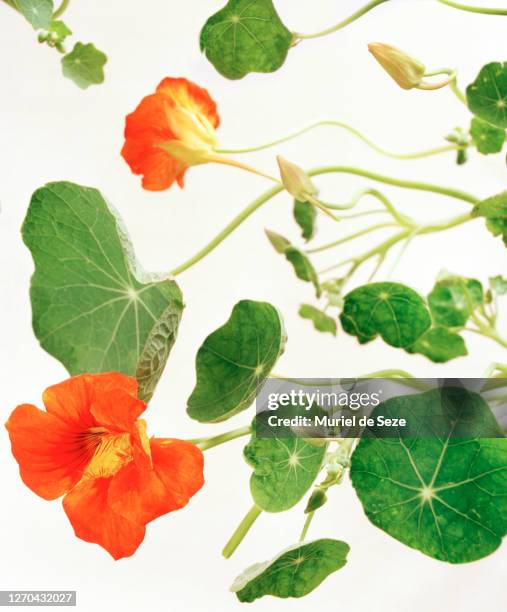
x=440 y=345
x=487 y=138
x=494 y=210
x=321 y=321
x=93 y=309
x=487 y=95
x=453 y=299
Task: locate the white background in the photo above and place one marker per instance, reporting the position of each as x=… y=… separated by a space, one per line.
x=51 y=130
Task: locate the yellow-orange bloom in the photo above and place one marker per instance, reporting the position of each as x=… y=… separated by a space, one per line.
x=90 y=446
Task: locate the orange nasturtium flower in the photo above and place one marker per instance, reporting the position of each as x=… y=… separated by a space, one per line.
x=91 y=446
x=170 y=130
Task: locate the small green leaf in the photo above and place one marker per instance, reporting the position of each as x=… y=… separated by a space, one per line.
x=305 y=215
x=453 y=299
x=93 y=309
x=487 y=95
x=84 y=65
x=245 y=36
x=498 y=284
x=303 y=267
x=487 y=138
x=295 y=572
x=284 y=468
x=494 y=210
x=395 y=312
x=440 y=345
x=321 y=321
x=234 y=360
x=443 y=493
x=37 y=12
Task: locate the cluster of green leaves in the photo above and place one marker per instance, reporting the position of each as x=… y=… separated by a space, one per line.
x=84 y=64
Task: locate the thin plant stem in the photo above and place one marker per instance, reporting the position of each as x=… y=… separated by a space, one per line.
x=206 y=443
x=473 y=9
x=61 y=9
x=362 y=11
x=306 y=526
x=363 y=232
x=348 y=128
x=243 y=528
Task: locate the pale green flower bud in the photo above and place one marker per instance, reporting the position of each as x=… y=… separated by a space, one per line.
x=404 y=69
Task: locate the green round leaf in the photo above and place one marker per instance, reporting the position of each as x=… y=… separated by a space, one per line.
x=37 y=12
x=498 y=284
x=494 y=210
x=321 y=321
x=487 y=138
x=442 y=492
x=84 y=65
x=234 y=360
x=92 y=307
x=305 y=215
x=295 y=572
x=487 y=95
x=284 y=469
x=245 y=36
x=395 y=312
x=440 y=345
x=453 y=299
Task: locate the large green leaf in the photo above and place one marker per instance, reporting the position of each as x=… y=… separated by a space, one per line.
x=440 y=345
x=321 y=321
x=92 y=307
x=245 y=36
x=37 y=12
x=303 y=267
x=442 y=489
x=84 y=65
x=295 y=572
x=487 y=138
x=487 y=95
x=234 y=360
x=494 y=210
x=284 y=467
x=391 y=310
x=453 y=299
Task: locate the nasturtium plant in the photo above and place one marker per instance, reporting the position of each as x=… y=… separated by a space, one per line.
x=235 y=360
x=439 y=344
x=487 y=95
x=442 y=492
x=92 y=306
x=393 y=311
x=245 y=36
x=284 y=468
x=84 y=65
x=295 y=572
x=302 y=265
x=486 y=137
x=305 y=215
x=494 y=210
x=321 y=321
x=453 y=299
x=498 y=284
x=37 y=12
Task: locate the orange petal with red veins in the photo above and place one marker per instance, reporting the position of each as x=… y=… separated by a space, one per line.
x=142 y=495
x=94 y=520
x=190 y=96
x=50 y=456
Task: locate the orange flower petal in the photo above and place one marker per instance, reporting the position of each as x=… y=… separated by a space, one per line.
x=51 y=460
x=141 y=495
x=117 y=410
x=94 y=520
x=188 y=95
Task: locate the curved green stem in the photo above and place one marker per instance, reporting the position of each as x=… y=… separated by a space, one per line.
x=473 y=9
x=309 y=519
x=404 y=184
x=486 y=330
x=362 y=11
x=243 y=528
x=359 y=233
x=206 y=443
x=348 y=128
x=61 y=9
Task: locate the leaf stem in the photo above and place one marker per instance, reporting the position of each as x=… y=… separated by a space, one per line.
x=206 y=443
x=358 y=234
x=243 y=528
x=306 y=526
x=348 y=128
x=473 y=9
x=61 y=9
x=362 y=11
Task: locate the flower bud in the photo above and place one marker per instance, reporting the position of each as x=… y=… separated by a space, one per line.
x=295 y=180
x=405 y=70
